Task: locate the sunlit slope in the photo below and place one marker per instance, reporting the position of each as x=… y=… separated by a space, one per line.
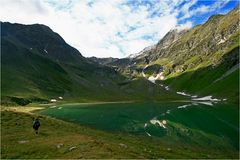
x=221 y=80
x=202 y=60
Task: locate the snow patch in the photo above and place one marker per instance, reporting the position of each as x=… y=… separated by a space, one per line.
x=145 y=67
x=59 y=107
x=145 y=125
x=152 y=79
x=167 y=88
x=60 y=97
x=143 y=74
x=158 y=76
x=45 y=51
x=206 y=103
x=164 y=122
x=183 y=93
x=168 y=111
x=148 y=134
x=162 y=77
x=222 y=41
x=195 y=104
x=184 y=106
x=161 y=124
x=53 y=100
x=207 y=98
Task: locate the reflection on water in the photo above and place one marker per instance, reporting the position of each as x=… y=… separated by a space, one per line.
x=201 y=122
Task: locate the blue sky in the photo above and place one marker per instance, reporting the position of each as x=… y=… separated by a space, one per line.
x=113 y=28
x=223 y=9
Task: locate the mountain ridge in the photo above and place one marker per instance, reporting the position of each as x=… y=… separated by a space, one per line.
x=179 y=52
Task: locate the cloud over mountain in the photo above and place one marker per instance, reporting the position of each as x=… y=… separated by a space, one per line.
x=106 y=28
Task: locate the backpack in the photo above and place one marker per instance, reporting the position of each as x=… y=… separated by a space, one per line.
x=36 y=124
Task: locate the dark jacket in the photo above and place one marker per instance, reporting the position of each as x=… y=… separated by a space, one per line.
x=36 y=124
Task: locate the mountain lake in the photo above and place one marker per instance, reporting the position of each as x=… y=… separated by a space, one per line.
x=212 y=125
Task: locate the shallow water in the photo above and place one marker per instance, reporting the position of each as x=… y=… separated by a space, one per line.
x=216 y=125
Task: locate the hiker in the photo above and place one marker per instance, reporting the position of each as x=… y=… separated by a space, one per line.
x=36 y=125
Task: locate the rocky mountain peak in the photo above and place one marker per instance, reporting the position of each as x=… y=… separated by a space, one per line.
x=171 y=37
x=142 y=53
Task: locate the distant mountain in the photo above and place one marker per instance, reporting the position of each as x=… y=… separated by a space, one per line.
x=38 y=65
x=103 y=61
x=145 y=50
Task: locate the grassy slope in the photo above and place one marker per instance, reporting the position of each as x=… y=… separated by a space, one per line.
x=203 y=80
x=41 y=77
x=27 y=73
x=90 y=143
x=229 y=87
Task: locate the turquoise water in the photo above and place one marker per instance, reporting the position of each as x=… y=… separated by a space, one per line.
x=187 y=122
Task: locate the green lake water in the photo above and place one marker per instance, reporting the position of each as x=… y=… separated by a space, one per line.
x=216 y=125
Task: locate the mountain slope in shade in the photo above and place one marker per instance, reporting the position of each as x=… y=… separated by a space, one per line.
x=38 y=64
x=42 y=40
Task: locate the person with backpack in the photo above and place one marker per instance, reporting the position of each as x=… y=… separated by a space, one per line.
x=36 y=125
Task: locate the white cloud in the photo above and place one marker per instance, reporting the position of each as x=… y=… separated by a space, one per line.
x=102 y=28
x=186 y=25
x=201 y=9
